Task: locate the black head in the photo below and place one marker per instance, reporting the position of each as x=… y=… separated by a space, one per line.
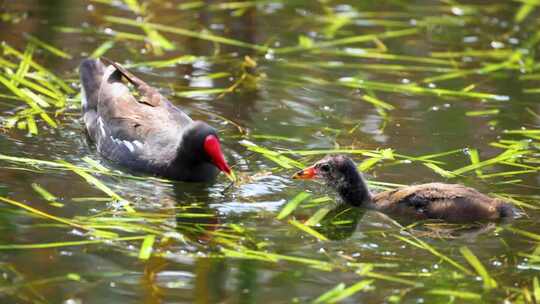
x=200 y=143
x=340 y=173
x=332 y=170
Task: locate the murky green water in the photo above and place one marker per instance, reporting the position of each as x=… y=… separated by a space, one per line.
x=314 y=66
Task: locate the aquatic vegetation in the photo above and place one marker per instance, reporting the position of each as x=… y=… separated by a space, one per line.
x=42 y=91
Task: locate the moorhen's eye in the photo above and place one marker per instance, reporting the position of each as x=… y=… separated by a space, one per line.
x=324 y=168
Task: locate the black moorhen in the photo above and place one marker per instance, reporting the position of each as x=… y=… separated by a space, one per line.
x=449 y=202
x=144 y=131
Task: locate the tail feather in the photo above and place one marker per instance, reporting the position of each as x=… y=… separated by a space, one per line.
x=91 y=71
x=506 y=211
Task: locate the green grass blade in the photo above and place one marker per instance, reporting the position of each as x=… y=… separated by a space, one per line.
x=32 y=126
x=347 y=40
x=509 y=154
x=188 y=33
x=292 y=205
x=98 y=184
x=308 y=230
x=394 y=279
x=146 y=247
x=464 y=295
x=9 y=50
x=528 y=234
x=184 y=59
x=368 y=163
x=524 y=11
x=523 y=132
x=56 y=218
x=274 y=257
x=378 y=103
x=318 y=216
x=135 y=6
x=337 y=294
x=43 y=193
x=102 y=49
x=67 y=244
x=278 y=158
x=423 y=245
x=536 y=289
x=386 y=56
x=332 y=293
x=24 y=65
x=442 y=172
x=95 y=164
x=489 y=282
x=51 y=49
x=482 y=112
x=475 y=159
x=415 y=89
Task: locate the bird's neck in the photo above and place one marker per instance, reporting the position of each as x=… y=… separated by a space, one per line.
x=354 y=191
x=188 y=166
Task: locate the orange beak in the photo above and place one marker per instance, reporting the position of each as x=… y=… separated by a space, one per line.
x=307 y=173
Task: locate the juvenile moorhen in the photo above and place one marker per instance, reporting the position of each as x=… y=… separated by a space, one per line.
x=144 y=131
x=448 y=202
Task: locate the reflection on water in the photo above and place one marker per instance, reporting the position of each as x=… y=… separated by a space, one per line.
x=220 y=244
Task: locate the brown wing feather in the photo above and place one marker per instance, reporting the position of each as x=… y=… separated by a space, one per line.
x=128 y=118
x=150 y=95
x=450 y=202
x=150 y=98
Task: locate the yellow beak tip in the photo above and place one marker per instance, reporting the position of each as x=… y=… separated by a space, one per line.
x=231 y=176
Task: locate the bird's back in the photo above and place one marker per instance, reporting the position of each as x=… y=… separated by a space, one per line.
x=449 y=202
x=142 y=131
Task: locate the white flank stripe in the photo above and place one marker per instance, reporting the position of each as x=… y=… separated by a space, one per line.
x=129 y=145
x=138 y=144
x=84 y=101
x=101 y=127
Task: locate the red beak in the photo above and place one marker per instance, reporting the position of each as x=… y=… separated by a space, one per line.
x=307 y=173
x=213 y=149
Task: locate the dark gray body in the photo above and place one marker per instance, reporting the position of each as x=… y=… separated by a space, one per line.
x=148 y=133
